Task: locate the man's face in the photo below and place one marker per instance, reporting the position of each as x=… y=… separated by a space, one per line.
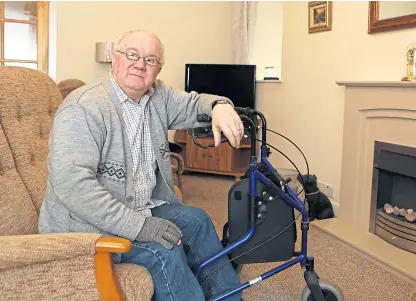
x=137 y=76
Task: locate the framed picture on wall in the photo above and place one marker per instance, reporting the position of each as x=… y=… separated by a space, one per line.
x=319 y=16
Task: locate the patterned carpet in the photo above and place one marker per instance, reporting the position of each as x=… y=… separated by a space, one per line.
x=358 y=278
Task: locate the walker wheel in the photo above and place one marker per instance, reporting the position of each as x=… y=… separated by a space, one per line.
x=330 y=291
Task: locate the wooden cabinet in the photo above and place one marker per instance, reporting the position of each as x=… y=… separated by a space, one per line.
x=214 y=159
x=224 y=159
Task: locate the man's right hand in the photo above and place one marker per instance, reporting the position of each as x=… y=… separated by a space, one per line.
x=161 y=231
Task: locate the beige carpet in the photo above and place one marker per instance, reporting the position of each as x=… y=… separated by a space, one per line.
x=359 y=279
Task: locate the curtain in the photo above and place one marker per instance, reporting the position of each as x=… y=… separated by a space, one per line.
x=243 y=30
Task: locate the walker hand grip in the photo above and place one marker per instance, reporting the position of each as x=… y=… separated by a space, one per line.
x=243 y=111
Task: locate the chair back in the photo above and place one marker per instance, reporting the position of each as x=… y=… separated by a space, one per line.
x=68 y=85
x=28 y=102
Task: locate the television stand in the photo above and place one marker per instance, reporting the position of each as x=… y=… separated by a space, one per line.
x=223 y=160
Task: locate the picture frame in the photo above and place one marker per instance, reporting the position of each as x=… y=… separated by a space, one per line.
x=319 y=16
x=376 y=24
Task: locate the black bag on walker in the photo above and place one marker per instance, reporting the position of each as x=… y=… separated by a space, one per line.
x=276 y=215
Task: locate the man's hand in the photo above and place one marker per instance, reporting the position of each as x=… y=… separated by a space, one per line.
x=161 y=231
x=226 y=120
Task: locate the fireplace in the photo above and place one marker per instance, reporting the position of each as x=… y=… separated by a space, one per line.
x=393 y=199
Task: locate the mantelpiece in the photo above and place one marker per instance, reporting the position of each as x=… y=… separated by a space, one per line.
x=377 y=84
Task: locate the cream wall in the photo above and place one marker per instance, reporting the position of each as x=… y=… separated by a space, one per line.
x=191 y=31
x=308 y=106
x=267 y=42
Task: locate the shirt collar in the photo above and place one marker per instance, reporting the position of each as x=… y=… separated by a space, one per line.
x=122 y=96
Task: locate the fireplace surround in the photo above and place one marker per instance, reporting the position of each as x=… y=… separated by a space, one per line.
x=394 y=186
x=373 y=111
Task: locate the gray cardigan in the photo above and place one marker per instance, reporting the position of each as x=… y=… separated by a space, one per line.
x=89 y=186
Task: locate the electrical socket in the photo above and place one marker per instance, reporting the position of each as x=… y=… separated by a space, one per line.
x=326 y=189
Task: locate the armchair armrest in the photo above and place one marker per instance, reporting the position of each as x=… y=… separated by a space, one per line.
x=113 y=245
x=107 y=282
x=178 y=193
x=17 y=252
x=20 y=250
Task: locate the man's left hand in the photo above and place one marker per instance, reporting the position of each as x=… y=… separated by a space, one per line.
x=225 y=119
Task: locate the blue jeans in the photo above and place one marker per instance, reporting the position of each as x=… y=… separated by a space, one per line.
x=172 y=270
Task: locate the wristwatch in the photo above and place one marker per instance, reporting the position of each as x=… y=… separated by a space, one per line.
x=219 y=102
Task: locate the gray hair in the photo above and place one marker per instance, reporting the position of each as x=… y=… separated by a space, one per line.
x=121 y=38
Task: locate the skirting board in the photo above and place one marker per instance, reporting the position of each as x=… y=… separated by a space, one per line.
x=335 y=206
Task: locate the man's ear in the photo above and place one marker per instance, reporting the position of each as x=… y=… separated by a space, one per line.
x=113 y=62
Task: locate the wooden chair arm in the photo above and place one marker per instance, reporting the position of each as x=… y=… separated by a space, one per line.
x=180 y=162
x=107 y=282
x=178 y=193
x=113 y=244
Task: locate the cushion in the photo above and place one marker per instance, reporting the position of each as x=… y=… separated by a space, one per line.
x=135 y=282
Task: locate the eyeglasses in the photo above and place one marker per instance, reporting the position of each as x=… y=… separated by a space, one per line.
x=133 y=56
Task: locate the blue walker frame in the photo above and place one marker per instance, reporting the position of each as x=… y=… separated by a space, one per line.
x=289 y=197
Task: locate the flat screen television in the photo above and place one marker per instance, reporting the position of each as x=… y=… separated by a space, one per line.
x=237 y=82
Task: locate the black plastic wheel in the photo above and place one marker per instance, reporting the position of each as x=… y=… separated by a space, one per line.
x=330 y=291
x=328 y=295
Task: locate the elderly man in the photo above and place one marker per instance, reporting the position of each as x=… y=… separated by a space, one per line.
x=109 y=170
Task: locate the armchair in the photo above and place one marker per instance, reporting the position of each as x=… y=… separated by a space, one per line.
x=60 y=266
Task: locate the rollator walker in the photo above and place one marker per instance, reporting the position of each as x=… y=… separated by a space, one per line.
x=261 y=223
